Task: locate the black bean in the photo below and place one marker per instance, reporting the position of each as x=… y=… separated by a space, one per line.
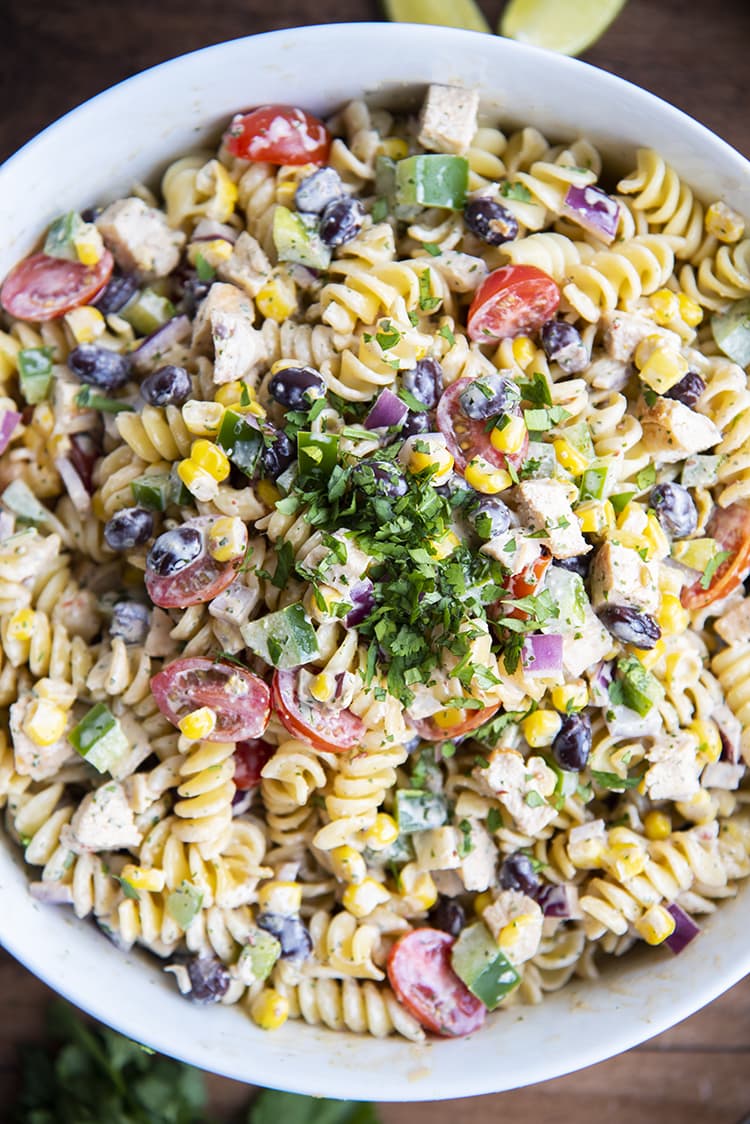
x=578 y=564
x=490 y=517
x=278 y=455
x=189 y=289
x=91 y=214
x=174 y=550
x=130 y=622
x=563 y=345
x=290 y=932
x=417 y=421
x=116 y=293
x=296 y=387
x=341 y=221
x=675 y=509
x=209 y=979
x=132 y=526
x=488 y=396
x=630 y=625
x=169 y=386
x=517 y=873
x=99 y=366
x=447 y=915
x=572 y=744
x=490 y=221
x=688 y=390
x=317 y=191
x=424 y=382
x=379 y=476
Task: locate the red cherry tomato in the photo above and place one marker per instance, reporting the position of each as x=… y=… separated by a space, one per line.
x=730 y=526
x=241 y=700
x=201 y=581
x=467 y=438
x=43 y=288
x=428 y=729
x=249 y=759
x=510 y=301
x=420 y=973
x=326 y=729
x=278 y=134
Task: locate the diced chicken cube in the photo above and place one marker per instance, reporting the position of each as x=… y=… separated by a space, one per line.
x=27 y=554
x=463 y=273
x=479 y=863
x=623 y=331
x=140 y=238
x=608 y=374
x=722 y=774
x=733 y=626
x=674 y=770
x=31 y=760
x=513 y=550
x=103 y=821
x=521 y=786
x=224 y=324
x=672 y=431
x=437 y=849
x=588 y=644
x=448 y=120
x=515 y=921
x=545 y=505
x=619 y=576
x=248 y=267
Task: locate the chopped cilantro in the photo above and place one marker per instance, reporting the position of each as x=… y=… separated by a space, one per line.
x=432 y=249
x=613 y=781
x=515 y=190
x=465 y=845
x=646 y=477
x=205 y=271
x=447 y=334
x=494 y=820
x=388 y=336
x=714 y=563
x=537 y=391
x=427 y=302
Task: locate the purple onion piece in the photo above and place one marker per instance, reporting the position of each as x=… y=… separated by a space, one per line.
x=159 y=342
x=8 y=423
x=74 y=486
x=542 y=654
x=388 y=411
x=594 y=210
x=685 y=929
x=730 y=731
x=363 y=602
x=208 y=229
x=558 y=901
x=601 y=677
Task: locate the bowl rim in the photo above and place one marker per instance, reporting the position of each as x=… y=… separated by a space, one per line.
x=627 y=1032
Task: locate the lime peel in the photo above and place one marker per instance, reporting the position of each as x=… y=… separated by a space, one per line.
x=443 y=13
x=566 y=26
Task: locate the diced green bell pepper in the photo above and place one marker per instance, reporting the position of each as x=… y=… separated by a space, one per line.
x=417 y=810
x=731 y=331
x=640 y=689
x=595 y=482
x=297 y=242
x=241 y=441
x=621 y=501
x=433 y=180
x=261 y=953
x=19 y=497
x=88 y=399
x=147 y=311
x=59 y=242
x=317 y=452
x=99 y=738
x=486 y=971
x=35 y=373
x=153 y=491
x=184 y=903
x=284 y=639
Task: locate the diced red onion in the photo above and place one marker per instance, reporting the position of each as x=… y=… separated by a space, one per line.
x=73 y=485
x=685 y=929
x=154 y=346
x=388 y=411
x=559 y=901
x=594 y=210
x=599 y=681
x=208 y=229
x=363 y=602
x=84 y=453
x=542 y=654
x=8 y=423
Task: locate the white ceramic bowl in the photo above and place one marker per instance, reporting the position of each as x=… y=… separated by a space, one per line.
x=131 y=132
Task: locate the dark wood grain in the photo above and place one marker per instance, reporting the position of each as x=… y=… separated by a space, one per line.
x=695 y=55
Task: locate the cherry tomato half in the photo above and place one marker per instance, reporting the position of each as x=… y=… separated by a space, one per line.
x=199 y=582
x=44 y=288
x=510 y=301
x=241 y=700
x=326 y=729
x=420 y=973
x=467 y=438
x=730 y=526
x=526 y=582
x=249 y=759
x=278 y=134
x=428 y=729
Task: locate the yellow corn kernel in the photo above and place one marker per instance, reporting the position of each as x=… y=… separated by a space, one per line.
x=267 y=492
x=650 y=657
x=56 y=691
x=21 y=624
x=230 y=394
x=657 y=825
x=665 y=306
x=483 y=477
x=365 y=896
x=213 y=252
x=512 y=934
x=570 y=697
x=202 y=419
x=663 y=368
x=394 y=147
x=656 y=924
x=449 y=718
x=443 y=547
x=655 y=541
x=214 y=180
x=690 y=311
x=383 y=832
x=88 y=244
x=198 y=482
x=423 y=891
x=227 y=538
x=45 y=722
x=511 y=437
x=672 y=618
x=670 y=579
x=625 y=860
x=348 y=864
x=210 y=458
x=43 y=420
x=523 y=351
x=707 y=735
x=569 y=457
x=270 y=1009
x=280 y=897
x=541 y=728
x=596 y=517
x=587 y=854
x=198 y=723
x=724 y=222
x=85 y=324
x=429 y=452
x=482 y=901
x=141 y=878
x=277 y=299
x=323 y=687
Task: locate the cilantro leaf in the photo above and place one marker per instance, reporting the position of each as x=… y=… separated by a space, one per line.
x=516 y=191
x=447 y=334
x=613 y=781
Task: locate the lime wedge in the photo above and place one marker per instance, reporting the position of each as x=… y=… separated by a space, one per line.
x=445 y=13
x=566 y=26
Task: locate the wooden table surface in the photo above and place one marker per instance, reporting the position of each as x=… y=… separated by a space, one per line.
x=693 y=54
